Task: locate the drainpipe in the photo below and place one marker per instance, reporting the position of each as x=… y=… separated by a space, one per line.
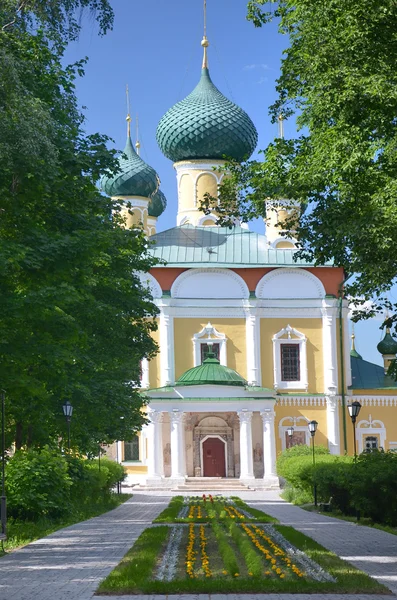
x=342 y=362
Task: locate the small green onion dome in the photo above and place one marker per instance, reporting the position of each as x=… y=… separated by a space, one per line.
x=388 y=345
x=206 y=125
x=135 y=178
x=157 y=204
x=211 y=372
x=355 y=354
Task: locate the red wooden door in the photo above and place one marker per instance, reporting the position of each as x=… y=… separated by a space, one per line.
x=214 y=458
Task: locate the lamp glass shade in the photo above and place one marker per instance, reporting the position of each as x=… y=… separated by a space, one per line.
x=67 y=409
x=290 y=431
x=312 y=427
x=354 y=409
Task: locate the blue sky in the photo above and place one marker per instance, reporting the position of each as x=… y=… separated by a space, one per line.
x=155 y=49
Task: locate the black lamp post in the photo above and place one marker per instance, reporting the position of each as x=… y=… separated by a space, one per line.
x=3 y=502
x=354 y=410
x=68 y=411
x=290 y=433
x=313 y=428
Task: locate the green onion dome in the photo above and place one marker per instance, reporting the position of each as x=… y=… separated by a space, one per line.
x=388 y=345
x=211 y=372
x=135 y=178
x=157 y=204
x=206 y=125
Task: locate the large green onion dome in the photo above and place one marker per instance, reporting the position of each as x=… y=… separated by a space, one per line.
x=206 y=125
x=157 y=204
x=388 y=345
x=211 y=372
x=135 y=178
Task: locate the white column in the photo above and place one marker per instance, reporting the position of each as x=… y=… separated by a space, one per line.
x=329 y=348
x=178 y=460
x=155 y=441
x=330 y=358
x=253 y=349
x=166 y=328
x=333 y=424
x=346 y=343
x=269 y=444
x=119 y=452
x=246 y=458
x=145 y=374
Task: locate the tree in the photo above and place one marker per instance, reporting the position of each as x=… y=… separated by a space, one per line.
x=338 y=77
x=75 y=321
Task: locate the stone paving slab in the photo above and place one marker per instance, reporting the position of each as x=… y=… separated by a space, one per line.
x=70 y=563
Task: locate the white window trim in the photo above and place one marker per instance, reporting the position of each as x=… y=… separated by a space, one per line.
x=370 y=427
x=300 y=340
x=207 y=335
x=287 y=422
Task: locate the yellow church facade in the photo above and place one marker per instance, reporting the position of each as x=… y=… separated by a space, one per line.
x=253 y=345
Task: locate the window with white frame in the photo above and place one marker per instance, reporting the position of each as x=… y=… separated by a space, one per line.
x=290 y=359
x=202 y=342
x=131 y=449
x=371 y=443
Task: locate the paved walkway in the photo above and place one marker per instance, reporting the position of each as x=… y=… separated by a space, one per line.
x=69 y=564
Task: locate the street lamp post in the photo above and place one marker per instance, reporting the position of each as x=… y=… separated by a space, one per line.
x=290 y=433
x=3 y=501
x=354 y=410
x=313 y=428
x=68 y=411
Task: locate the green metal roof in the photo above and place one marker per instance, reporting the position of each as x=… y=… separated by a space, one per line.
x=135 y=178
x=206 y=125
x=388 y=345
x=211 y=372
x=192 y=246
x=355 y=354
x=366 y=375
x=157 y=204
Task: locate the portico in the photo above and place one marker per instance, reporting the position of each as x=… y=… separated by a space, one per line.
x=214 y=426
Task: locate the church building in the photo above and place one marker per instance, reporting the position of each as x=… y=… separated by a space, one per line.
x=253 y=345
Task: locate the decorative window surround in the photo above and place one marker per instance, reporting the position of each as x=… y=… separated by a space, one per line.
x=206 y=218
x=287 y=422
x=283 y=239
x=212 y=335
x=299 y=339
x=369 y=428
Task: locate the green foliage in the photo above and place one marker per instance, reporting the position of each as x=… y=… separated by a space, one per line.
x=75 y=320
x=47 y=484
x=374 y=486
x=338 y=78
x=252 y=559
x=225 y=550
x=37 y=484
x=334 y=481
x=170 y=514
x=296 y=465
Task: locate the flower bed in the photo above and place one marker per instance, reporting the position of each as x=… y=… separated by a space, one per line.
x=221 y=547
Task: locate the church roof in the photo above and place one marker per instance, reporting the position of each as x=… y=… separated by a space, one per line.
x=388 y=345
x=206 y=125
x=135 y=177
x=211 y=372
x=366 y=375
x=157 y=204
x=219 y=246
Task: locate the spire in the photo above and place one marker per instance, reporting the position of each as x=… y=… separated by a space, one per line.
x=128 y=117
x=204 y=42
x=137 y=143
x=353 y=351
x=281 y=126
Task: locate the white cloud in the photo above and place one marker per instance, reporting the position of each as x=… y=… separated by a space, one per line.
x=256 y=66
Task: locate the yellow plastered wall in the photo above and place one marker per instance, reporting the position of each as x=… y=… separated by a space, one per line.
x=234 y=329
x=385 y=414
x=154 y=364
x=312 y=328
x=186 y=192
x=317 y=413
x=206 y=184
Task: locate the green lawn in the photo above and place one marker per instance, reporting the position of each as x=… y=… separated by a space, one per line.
x=21 y=533
x=227 y=555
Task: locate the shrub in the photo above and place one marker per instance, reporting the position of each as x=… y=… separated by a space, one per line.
x=333 y=479
x=37 y=484
x=374 y=486
x=88 y=481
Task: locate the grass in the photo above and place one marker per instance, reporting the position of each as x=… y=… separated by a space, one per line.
x=210 y=511
x=20 y=533
x=236 y=563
